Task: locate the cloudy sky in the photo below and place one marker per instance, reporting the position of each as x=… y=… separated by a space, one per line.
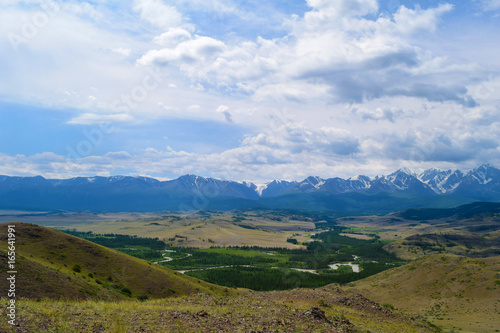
x=247 y=90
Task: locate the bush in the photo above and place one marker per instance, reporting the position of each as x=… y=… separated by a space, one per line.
x=77 y=268
x=323 y=303
x=388 y=306
x=142 y=298
x=127 y=291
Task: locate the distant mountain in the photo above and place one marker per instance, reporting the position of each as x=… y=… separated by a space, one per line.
x=399 y=190
x=275 y=187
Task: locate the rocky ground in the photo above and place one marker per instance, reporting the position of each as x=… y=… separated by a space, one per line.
x=328 y=309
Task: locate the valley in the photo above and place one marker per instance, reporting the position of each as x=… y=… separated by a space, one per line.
x=223 y=166
x=269 y=255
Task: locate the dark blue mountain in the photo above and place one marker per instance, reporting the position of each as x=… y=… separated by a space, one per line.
x=404 y=189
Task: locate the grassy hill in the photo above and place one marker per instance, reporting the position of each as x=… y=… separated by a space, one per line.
x=452 y=291
x=66 y=284
x=53 y=264
x=463 y=211
x=300 y=310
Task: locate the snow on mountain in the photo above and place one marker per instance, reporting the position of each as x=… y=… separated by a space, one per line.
x=442 y=181
x=482 y=183
x=274 y=188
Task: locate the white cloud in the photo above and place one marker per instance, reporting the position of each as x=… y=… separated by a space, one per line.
x=296 y=138
x=125 y=52
x=91 y=119
x=391 y=114
x=158 y=13
x=194 y=108
x=199 y=49
x=361 y=87
x=351 y=59
x=325 y=9
x=410 y=21
x=490 y=5
x=173 y=37
x=224 y=110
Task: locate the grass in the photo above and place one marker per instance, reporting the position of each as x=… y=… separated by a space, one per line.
x=256 y=311
x=450 y=291
x=57 y=265
x=262 y=268
x=207 y=231
x=455 y=292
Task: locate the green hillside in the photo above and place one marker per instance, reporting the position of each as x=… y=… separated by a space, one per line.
x=66 y=284
x=463 y=211
x=53 y=264
x=454 y=292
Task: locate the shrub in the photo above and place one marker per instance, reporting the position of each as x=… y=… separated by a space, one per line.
x=323 y=303
x=77 y=268
x=388 y=306
x=127 y=291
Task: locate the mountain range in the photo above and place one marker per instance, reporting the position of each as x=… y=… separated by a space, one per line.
x=361 y=194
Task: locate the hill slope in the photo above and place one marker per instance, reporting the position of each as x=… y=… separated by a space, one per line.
x=53 y=264
x=326 y=310
x=452 y=291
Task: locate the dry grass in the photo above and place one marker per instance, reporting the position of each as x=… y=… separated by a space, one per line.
x=47 y=260
x=201 y=232
x=451 y=291
x=287 y=311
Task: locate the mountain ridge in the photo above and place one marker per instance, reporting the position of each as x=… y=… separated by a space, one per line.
x=192 y=192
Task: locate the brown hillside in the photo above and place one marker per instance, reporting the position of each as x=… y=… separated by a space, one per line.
x=451 y=291
x=53 y=264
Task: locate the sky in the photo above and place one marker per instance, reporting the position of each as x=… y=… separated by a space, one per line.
x=247 y=90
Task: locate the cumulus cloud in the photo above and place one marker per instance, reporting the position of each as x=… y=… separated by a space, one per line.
x=409 y=21
x=296 y=138
x=379 y=114
x=426 y=145
x=173 y=37
x=195 y=50
x=485 y=117
x=365 y=88
x=334 y=50
x=158 y=13
x=224 y=110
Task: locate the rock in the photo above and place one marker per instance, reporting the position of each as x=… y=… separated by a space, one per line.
x=316 y=313
x=202 y=313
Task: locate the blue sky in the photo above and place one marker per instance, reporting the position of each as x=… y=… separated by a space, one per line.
x=247 y=90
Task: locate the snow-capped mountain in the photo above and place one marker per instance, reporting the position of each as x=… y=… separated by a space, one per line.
x=143 y=193
x=441 y=181
x=209 y=187
x=478 y=182
x=274 y=188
